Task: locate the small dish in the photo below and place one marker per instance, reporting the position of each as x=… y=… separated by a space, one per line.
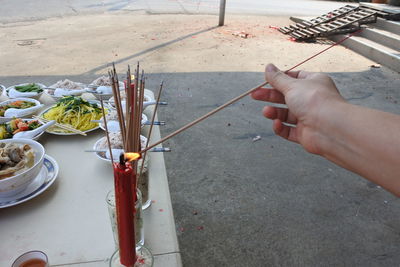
x=102 y=155
x=17 y=94
x=102 y=125
x=21 y=112
x=63 y=85
x=101 y=88
x=7 y=120
x=46 y=177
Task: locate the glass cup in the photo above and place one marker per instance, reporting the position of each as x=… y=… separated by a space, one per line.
x=145 y=258
x=143 y=185
x=32 y=258
x=139 y=228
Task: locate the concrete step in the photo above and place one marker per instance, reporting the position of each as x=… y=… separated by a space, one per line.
x=383 y=37
x=387 y=25
x=381 y=54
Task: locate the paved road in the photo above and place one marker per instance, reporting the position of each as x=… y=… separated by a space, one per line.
x=21 y=10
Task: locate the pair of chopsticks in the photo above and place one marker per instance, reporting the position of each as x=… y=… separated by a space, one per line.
x=62 y=126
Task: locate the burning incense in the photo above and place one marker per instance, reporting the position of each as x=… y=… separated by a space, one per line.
x=187 y=126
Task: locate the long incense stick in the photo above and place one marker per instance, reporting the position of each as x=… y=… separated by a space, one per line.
x=107 y=133
x=151 y=128
x=239 y=97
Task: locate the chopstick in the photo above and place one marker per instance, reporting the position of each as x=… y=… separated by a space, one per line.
x=63 y=126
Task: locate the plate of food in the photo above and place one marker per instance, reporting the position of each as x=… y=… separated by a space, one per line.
x=15 y=125
x=19 y=107
x=101 y=87
x=33 y=90
x=66 y=88
x=75 y=112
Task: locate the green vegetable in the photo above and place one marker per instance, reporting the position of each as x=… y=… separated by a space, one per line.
x=32 y=87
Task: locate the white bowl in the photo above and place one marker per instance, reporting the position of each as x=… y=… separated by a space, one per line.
x=22 y=84
x=101 y=96
x=13 y=185
x=102 y=155
x=37 y=103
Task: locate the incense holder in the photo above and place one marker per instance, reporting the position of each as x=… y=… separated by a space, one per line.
x=139 y=227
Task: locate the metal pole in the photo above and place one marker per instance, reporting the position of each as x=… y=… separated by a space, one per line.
x=222 y=12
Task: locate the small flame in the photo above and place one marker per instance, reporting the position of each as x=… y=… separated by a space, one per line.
x=132 y=156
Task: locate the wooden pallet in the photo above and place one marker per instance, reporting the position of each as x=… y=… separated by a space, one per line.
x=342 y=20
x=337 y=13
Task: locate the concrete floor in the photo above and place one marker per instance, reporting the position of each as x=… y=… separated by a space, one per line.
x=236 y=202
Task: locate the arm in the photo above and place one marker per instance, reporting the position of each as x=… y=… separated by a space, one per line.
x=362 y=140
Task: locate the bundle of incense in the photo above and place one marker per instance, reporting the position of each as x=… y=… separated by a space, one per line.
x=125 y=171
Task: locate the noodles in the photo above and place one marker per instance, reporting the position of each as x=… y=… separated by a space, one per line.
x=76 y=112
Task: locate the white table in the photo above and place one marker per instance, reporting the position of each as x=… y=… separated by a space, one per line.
x=70 y=220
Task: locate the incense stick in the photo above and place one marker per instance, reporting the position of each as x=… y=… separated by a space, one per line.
x=187 y=126
x=107 y=134
x=151 y=128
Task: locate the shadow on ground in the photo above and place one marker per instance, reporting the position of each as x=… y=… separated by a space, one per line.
x=266 y=203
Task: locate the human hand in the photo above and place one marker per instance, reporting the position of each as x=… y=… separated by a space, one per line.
x=309 y=98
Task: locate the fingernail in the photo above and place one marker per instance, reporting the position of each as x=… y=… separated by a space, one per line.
x=271 y=68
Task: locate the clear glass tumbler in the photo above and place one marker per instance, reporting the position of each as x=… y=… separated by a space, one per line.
x=139 y=227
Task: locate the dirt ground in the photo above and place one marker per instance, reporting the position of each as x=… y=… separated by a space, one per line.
x=236 y=202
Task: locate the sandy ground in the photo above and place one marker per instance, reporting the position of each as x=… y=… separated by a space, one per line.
x=87 y=44
x=236 y=202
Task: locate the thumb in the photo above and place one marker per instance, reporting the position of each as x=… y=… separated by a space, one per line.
x=278 y=79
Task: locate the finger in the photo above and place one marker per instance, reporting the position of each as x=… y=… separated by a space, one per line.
x=285 y=131
x=299 y=74
x=268 y=95
x=282 y=114
x=279 y=80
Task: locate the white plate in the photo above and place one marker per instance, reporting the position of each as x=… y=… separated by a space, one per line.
x=61 y=133
x=46 y=177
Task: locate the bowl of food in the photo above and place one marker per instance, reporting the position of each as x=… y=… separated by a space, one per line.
x=19 y=107
x=31 y=90
x=112 y=121
x=101 y=88
x=66 y=88
x=146 y=99
x=20 y=162
x=101 y=146
x=15 y=125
